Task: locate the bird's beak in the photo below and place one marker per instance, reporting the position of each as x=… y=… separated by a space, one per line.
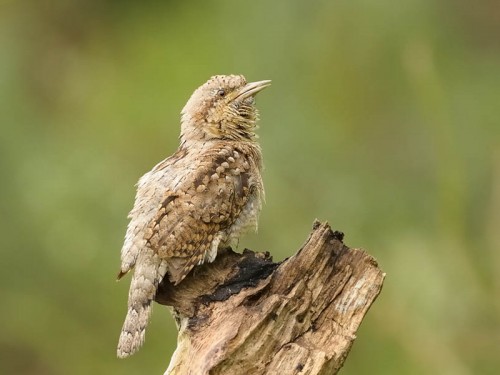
x=251 y=89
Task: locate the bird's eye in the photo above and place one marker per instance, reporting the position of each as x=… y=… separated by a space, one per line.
x=221 y=93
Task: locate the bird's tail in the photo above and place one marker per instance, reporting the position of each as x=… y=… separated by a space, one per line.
x=147 y=276
x=133 y=330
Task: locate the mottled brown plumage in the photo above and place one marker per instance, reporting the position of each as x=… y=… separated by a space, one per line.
x=198 y=200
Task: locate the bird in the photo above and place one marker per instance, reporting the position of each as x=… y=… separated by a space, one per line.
x=199 y=200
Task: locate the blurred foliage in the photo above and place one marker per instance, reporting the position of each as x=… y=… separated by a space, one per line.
x=383 y=118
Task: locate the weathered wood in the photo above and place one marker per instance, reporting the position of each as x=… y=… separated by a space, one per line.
x=244 y=314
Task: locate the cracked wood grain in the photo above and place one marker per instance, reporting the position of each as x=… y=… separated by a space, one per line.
x=244 y=314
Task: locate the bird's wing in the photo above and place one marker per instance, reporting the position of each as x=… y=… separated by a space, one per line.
x=191 y=218
x=149 y=195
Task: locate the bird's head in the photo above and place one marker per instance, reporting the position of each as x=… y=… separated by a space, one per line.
x=222 y=108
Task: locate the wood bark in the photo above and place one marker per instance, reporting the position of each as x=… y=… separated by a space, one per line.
x=244 y=314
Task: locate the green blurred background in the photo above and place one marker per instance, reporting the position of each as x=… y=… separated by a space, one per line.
x=383 y=118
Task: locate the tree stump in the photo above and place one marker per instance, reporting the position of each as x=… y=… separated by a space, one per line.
x=244 y=314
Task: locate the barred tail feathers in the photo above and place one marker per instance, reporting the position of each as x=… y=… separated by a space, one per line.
x=147 y=275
